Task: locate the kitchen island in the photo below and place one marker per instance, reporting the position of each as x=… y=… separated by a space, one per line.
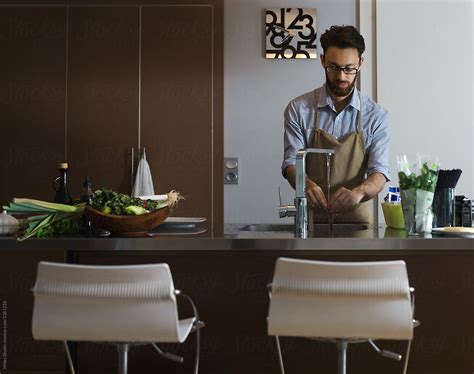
x=227 y=278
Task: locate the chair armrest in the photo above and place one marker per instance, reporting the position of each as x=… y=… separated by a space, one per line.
x=198 y=324
x=269 y=290
x=412 y=300
x=416 y=323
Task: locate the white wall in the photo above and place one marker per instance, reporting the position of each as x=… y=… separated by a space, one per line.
x=425 y=80
x=424 y=61
x=256 y=91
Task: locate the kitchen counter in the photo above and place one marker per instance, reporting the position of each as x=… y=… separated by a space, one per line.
x=227 y=278
x=369 y=240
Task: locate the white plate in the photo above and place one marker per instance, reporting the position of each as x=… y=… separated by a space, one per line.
x=154 y=197
x=467 y=232
x=184 y=220
x=175 y=231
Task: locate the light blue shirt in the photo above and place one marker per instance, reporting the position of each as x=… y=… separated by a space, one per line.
x=300 y=115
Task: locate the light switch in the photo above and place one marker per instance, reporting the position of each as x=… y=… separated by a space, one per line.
x=231 y=170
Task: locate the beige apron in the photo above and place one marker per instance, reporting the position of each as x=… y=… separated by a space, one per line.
x=347 y=170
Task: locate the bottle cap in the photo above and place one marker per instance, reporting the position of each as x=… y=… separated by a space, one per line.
x=63 y=165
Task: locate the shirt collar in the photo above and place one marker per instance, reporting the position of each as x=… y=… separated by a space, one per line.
x=325 y=99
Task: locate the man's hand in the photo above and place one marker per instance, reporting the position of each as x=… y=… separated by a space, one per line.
x=344 y=199
x=315 y=195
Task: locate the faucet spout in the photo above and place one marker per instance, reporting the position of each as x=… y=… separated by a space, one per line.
x=301 y=201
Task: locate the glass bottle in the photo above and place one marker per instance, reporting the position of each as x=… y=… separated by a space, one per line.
x=86 y=195
x=62 y=195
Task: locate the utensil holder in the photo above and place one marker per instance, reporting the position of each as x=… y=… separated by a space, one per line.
x=443 y=207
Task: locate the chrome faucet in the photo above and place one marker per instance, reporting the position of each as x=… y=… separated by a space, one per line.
x=300 y=209
x=285 y=210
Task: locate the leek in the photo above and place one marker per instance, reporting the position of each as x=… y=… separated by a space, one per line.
x=57 y=219
x=53 y=207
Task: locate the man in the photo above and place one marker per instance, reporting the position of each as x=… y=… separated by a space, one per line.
x=337 y=116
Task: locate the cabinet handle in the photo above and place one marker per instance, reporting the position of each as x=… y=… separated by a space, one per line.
x=131 y=171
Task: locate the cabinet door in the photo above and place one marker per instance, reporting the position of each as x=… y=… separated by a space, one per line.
x=102 y=95
x=178 y=127
x=20 y=352
x=32 y=94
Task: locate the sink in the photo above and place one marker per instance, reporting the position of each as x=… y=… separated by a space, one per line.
x=318 y=227
x=320 y=230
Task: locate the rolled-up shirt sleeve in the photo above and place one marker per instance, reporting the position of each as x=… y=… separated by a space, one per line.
x=293 y=137
x=379 y=156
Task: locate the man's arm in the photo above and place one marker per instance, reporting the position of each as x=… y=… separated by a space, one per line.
x=294 y=139
x=344 y=198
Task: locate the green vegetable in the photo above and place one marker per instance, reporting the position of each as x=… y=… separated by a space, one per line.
x=106 y=209
x=135 y=210
x=53 y=225
x=23 y=205
x=425 y=181
x=57 y=220
x=112 y=202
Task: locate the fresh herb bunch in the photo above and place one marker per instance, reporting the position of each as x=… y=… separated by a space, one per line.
x=425 y=181
x=57 y=224
x=112 y=202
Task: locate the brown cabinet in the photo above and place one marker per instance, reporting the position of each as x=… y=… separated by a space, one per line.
x=20 y=353
x=177 y=104
x=72 y=92
x=102 y=95
x=32 y=89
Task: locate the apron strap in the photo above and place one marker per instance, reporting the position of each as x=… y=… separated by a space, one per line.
x=359 y=117
x=316 y=119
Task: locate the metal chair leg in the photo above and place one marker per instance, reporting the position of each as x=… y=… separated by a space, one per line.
x=198 y=325
x=122 y=358
x=341 y=356
x=198 y=351
x=407 y=356
x=280 y=357
x=69 y=359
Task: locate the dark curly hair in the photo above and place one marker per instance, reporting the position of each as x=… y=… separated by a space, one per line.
x=343 y=37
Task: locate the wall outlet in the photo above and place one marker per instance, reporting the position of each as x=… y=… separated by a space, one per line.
x=231 y=170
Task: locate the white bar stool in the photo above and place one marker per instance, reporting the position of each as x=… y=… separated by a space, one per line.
x=342 y=302
x=123 y=305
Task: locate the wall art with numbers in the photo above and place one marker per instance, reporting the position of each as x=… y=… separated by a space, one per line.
x=290 y=33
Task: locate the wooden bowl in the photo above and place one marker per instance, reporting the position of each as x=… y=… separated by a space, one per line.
x=125 y=225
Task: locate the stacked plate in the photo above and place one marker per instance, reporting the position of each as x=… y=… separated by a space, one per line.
x=179 y=226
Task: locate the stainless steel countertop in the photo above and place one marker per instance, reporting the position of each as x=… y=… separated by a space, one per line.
x=372 y=240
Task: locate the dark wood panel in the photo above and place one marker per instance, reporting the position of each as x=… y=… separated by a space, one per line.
x=177 y=104
x=103 y=95
x=108 y=2
x=218 y=132
x=230 y=291
x=24 y=354
x=32 y=96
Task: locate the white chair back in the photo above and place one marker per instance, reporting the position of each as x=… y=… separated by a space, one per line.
x=106 y=303
x=340 y=300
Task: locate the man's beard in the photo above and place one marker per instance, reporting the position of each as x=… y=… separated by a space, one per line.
x=338 y=91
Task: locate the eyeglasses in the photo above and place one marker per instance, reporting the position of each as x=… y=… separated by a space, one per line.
x=344 y=69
